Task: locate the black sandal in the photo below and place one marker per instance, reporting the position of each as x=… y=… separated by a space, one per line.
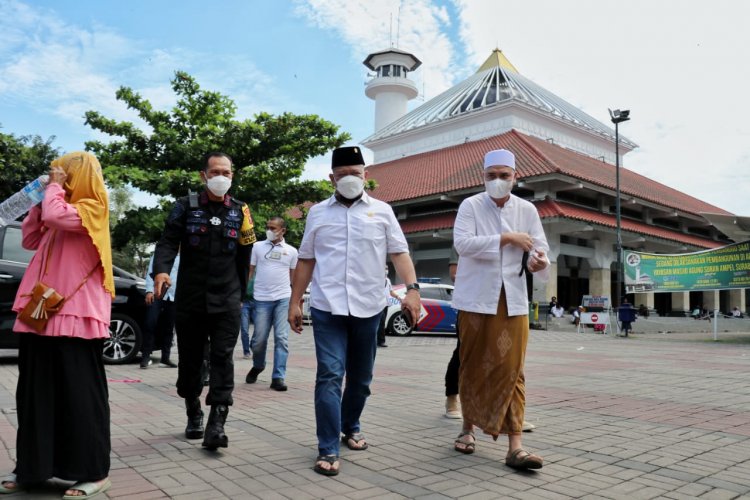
x=356 y=437
x=331 y=459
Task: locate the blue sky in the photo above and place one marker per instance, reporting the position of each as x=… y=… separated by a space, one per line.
x=679 y=65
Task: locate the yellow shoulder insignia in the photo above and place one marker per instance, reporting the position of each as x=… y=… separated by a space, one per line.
x=247 y=234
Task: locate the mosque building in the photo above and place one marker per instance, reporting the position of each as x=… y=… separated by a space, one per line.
x=428 y=160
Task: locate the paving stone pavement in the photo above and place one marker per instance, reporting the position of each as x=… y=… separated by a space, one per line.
x=650 y=416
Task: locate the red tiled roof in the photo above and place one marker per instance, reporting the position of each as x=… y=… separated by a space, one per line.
x=459 y=167
x=553 y=209
x=550 y=209
x=429 y=223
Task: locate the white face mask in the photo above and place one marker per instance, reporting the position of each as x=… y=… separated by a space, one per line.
x=219 y=185
x=270 y=235
x=350 y=186
x=498 y=188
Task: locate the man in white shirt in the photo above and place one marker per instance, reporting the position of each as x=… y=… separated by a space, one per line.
x=497 y=235
x=557 y=311
x=158 y=323
x=272 y=262
x=343 y=251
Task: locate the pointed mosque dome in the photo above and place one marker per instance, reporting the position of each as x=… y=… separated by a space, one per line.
x=497 y=59
x=497 y=82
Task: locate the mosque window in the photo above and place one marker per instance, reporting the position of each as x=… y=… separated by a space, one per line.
x=666 y=223
x=385 y=70
x=699 y=231
x=396 y=70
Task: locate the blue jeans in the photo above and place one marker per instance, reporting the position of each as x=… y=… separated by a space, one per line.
x=344 y=345
x=247 y=316
x=267 y=312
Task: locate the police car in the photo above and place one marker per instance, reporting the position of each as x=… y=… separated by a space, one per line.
x=437 y=315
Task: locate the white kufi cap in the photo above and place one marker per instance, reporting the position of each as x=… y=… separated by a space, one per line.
x=500 y=158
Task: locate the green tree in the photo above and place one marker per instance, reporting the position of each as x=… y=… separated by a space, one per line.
x=131 y=254
x=269 y=153
x=22 y=159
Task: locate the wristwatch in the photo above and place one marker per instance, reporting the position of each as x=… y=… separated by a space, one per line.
x=412 y=286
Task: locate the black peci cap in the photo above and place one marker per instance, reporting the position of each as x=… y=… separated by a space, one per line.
x=346 y=157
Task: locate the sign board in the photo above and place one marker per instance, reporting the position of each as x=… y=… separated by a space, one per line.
x=595 y=318
x=717 y=269
x=596 y=302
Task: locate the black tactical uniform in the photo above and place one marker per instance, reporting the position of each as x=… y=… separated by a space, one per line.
x=215 y=240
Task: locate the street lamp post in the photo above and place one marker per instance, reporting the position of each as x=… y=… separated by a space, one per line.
x=618 y=116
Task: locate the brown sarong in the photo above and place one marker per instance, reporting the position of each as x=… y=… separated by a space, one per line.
x=491 y=381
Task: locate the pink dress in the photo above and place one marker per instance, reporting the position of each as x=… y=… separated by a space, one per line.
x=85 y=314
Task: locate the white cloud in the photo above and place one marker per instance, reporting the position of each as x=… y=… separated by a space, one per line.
x=54 y=65
x=66 y=70
x=366 y=27
x=678 y=65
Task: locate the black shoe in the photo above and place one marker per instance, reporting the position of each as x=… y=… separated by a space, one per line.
x=252 y=375
x=214 y=436
x=382 y=344
x=166 y=363
x=278 y=384
x=194 y=429
x=146 y=362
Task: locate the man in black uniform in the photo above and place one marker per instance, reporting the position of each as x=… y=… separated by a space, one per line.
x=214 y=233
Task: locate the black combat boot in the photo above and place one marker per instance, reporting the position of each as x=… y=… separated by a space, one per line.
x=215 y=437
x=194 y=429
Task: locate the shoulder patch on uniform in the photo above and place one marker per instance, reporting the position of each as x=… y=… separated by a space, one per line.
x=247 y=233
x=177 y=212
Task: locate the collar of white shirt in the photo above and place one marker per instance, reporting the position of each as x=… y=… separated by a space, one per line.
x=365 y=199
x=491 y=203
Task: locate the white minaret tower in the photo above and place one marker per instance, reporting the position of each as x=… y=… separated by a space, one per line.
x=390 y=88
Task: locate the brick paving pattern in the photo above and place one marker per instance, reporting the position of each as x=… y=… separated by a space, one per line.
x=652 y=416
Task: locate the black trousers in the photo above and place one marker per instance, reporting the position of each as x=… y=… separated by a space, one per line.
x=63 y=410
x=221 y=331
x=451 y=373
x=158 y=328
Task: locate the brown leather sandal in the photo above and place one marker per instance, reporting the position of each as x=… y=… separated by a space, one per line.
x=522 y=459
x=468 y=447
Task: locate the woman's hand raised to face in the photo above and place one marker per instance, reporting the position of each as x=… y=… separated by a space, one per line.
x=57 y=175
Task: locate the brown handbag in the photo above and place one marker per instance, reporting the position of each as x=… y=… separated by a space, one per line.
x=45 y=301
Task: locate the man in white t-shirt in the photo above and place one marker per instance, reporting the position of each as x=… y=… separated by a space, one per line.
x=272 y=262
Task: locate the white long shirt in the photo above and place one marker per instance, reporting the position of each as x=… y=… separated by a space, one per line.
x=272 y=265
x=172 y=276
x=349 y=246
x=483 y=267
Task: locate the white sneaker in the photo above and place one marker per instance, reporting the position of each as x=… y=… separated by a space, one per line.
x=453 y=407
x=528 y=426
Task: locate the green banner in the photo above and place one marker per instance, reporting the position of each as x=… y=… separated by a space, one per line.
x=717 y=269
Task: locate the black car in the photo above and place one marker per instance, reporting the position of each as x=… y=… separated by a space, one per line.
x=128 y=306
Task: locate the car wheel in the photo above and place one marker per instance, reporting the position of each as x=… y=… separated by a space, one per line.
x=399 y=326
x=124 y=342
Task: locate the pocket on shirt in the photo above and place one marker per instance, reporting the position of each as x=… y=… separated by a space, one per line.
x=372 y=230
